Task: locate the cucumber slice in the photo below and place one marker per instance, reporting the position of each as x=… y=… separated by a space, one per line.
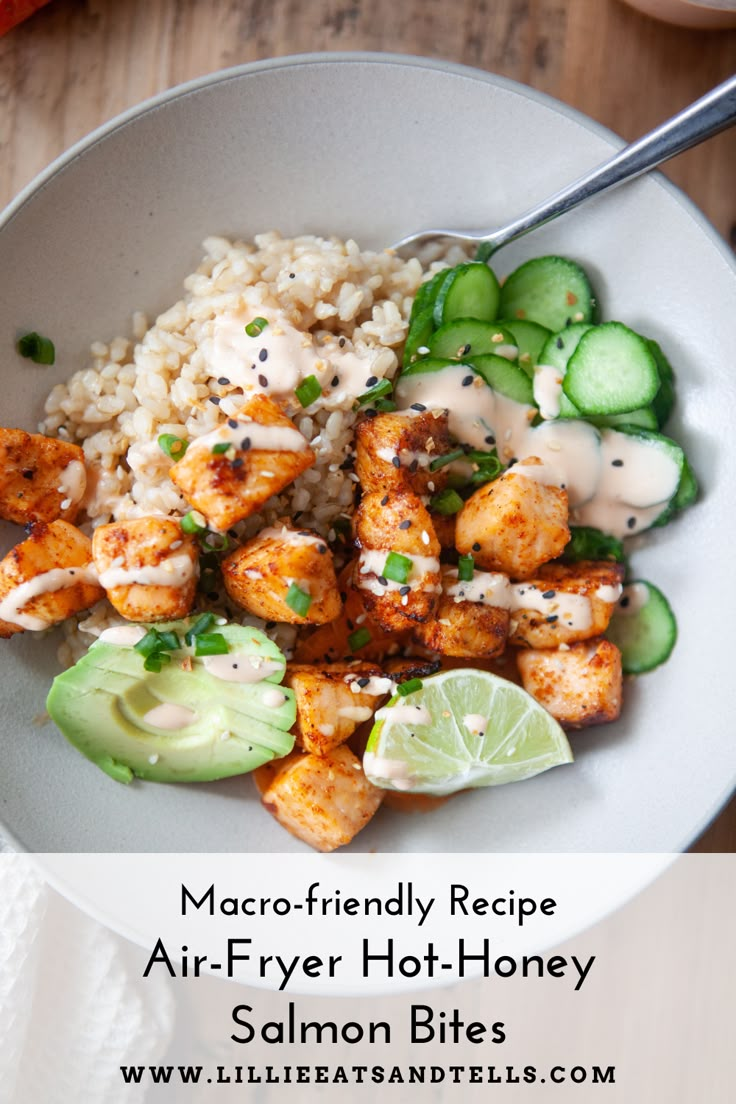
x=504 y=377
x=664 y=400
x=645 y=418
x=470 y=337
x=685 y=495
x=421 y=320
x=468 y=291
x=553 y=291
x=611 y=371
x=427 y=364
x=643 y=628
x=557 y=351
x=529 y=338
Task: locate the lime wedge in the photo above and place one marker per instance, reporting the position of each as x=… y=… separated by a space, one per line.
x=464 y=728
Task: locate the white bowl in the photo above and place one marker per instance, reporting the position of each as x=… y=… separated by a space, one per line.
x=371 y=147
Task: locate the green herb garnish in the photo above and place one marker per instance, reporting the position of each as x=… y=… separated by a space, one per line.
x=149 y=643
x=409 y=687
x=385 y=406
x=204 y=622
x=174 y=447
x=221 y=447
x=359 y=639
x=256 y=327
x=446 y=502
x=383 y=388
x=308 y=390
x=298 y=600
x=193 y=522
x=36 y=348
x=448 y=458
x=209 y=644
x=397 y=567
x=465 y=568
x=155 y=661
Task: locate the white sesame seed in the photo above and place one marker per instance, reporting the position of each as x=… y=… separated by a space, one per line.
x=425 y=536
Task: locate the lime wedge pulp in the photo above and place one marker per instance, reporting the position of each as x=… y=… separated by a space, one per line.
x=464 y=728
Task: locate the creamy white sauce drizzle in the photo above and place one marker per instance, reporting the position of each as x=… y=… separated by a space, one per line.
x=489 y=587
x=358 y=713
x=634 y=597
x=268 y=438
x=538 y=473
x=291 y=356
x=176 y=571
x=572 y=610
x=169 y=715
x=405 y=714
x=372 y=562
x=273 y=698
x=475 y=723
x=621 y=498
x=547 y=390
x=72 y=482
x=235 y=667
x=294 y=536
x=375 y=686
x=124 y=636
x=47 y=582
x=393 y=769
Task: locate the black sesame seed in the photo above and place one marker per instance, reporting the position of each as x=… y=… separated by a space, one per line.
x=476 y=547
x=560 y=343
x=334 y=381
x=465 y=350
x=468 y=380
x=321 y=548
x=383 y=580
x=214 y=400
x=292 y=275
x=630 y=522
x=232 y=423
x=347 y=463
x=420 y=407
x=405 y=524
x=245 y=444
x=404 y=590
x=341 y=343
x=28 y=474
x=490 y=440
x=371 y=412
x=551 y=619
x=223 y=381
x=263 y=355
x=548 y=594
x=396 y=462
x=617 y=463
x=263 y=380
x=384 y=500
x=237 y=462
x=235 y=666
x=482 y=597
x=624 y=601
x=72 y=571
x=414 y=465
x=363 y=682
x=371 y=381
x=270 y=625
x=568 y=321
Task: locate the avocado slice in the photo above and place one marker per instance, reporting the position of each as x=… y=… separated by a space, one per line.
x=189 y=722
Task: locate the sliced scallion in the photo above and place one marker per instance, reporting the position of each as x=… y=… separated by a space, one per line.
x=209 y=644
x=308 y=390
x=383 y=388
x=173 y=446
x=409 y=687
x=397 y=567
x=359 y=639
x=204 y=622
x=193 y=522
x=298 y=600
x=155 y=661
x=221 y=447
x=169 y=641
x=256 y=327
x=448 y=458
x=465 y=568
x=39 y=349
x=149 y=643
x=446 y=502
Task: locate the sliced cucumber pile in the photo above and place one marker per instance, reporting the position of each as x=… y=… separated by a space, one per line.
x=467 y=337
x=611 y=371
x=553 y=291
x=643 y=628
x=467 y=291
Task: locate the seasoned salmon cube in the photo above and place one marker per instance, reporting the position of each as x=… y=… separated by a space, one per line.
x=565 y=603
x=444 y=527
x=47 y=578
x=398 y=570
x=284 y=574
x=393 y=451
x=229 y=474
x=323 y=800
x=353 y=635
x=516 y=523
x=41 y=478
x=331 y=703
x=580 y=685
x=148 y=567
x=466 y=623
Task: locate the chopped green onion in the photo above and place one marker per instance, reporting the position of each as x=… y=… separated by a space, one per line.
x=193 y=522
x=385 y=406
x=149 y=643
x=446 y=502
x=215 y=542
x=298 y=600
x=257 y=326
x=155 y=661
x=308 y=390
x=383 y=388
x=169 y=641
x=465 y=568
x=448 y=458
x=397 y=567
x=359 y=639
x=409 y=687
x=221 y=447
x=209 y=644
x=204 y=622
x=487 y=464
x=174 y=447
x=36 y=348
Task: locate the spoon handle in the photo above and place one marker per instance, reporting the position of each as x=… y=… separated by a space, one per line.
x=707 y=116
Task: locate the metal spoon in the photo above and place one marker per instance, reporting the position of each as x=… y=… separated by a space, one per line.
x=707 y=116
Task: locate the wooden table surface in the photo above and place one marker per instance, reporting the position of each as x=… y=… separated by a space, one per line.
x=77 y=63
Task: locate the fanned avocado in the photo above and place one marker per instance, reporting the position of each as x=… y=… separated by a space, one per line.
x=184 y=723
